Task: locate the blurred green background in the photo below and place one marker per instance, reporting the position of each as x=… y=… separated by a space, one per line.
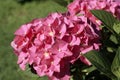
x=14 y=13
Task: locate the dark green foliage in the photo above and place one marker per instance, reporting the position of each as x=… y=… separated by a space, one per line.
x=110 y=39
x=116 y=64
x=100 y=61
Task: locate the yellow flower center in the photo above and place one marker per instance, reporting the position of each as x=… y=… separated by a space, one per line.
x=46 y=54
x=51 y=33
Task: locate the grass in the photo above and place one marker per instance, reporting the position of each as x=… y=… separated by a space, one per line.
x=12 y=15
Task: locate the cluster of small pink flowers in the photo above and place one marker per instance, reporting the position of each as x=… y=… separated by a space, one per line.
x=83 y=7
x=50 y=44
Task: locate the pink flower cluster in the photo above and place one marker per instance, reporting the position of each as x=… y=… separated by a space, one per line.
x=83 y=7
x=50 y=44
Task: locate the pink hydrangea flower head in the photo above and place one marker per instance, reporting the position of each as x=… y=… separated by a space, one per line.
x=50 y=44
x=83 y=7
x=39 y=43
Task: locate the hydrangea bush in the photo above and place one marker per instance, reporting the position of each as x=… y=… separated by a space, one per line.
x=56 y=45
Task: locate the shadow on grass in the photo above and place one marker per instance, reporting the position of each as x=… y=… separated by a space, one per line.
x=60 y=2
x=22 y=2
x=63 y=2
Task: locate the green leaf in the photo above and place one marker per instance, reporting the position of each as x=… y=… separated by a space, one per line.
x=89 y=69
x=106 y=17
x=114 y=39
x=110 y=49
x=100 y=62
x=116 y=64
x=116 y=28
